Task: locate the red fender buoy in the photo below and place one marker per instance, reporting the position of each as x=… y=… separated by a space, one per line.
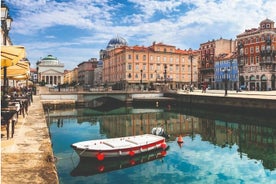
x=131 y=153
x=100 y=156
x=163 y=145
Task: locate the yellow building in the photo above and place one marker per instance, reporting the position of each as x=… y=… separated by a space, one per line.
x=139 y=67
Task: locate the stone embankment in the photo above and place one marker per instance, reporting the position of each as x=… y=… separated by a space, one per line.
x=28 y=156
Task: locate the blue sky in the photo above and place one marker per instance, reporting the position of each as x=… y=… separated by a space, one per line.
x=76 y=30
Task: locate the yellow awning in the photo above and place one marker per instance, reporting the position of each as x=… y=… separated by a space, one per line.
x=10 y=55
x=19 y=71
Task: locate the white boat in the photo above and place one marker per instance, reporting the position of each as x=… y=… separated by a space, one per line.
x=119 y=147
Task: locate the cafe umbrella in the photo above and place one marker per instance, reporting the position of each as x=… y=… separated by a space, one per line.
x=10 y=56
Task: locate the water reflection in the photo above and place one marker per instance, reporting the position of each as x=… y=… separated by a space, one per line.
x=90 y=166
x=253 y=139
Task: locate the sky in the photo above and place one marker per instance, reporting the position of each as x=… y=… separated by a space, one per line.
x=76 y=30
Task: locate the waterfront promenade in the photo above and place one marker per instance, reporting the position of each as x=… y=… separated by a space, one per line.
x=233 y=94
x=28 y=156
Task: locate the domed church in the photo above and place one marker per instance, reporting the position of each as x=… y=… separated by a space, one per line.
x=116 y=42
x=50 y=71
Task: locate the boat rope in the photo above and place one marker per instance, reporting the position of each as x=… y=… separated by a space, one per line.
x=82 y=152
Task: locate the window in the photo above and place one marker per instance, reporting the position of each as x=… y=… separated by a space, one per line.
x=137 y=66
x=251 y=50
x=257 y=59
x=257 y=49
x=137 y=57
x=252 y=60
x=158 y=67
x=151 y=67
x=151 y=58
x=158 y=58
x=129 y=66
x=129 y=56
x=144 y=57
x=165 y=58
x=144 y=66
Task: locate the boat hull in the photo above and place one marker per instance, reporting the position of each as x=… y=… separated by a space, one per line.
x=119 y=147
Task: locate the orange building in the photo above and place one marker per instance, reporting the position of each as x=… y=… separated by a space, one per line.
x=139 y=67
x=257 y=57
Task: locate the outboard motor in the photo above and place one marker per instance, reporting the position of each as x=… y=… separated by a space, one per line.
x=159 y=131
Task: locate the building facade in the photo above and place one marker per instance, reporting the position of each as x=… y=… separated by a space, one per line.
x=86 y=72
x=50 y=71
x=226 y=72
x=209 y=51
x=257 y=57
x=139 y=67
x=71 y=76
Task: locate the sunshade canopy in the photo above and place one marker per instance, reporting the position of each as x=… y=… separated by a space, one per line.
x=10 y=55
x=19 y=71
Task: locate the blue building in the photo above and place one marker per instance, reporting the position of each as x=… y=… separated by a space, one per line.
x=226 y=67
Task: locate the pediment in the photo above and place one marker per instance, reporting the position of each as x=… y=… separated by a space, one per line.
x=51 y=72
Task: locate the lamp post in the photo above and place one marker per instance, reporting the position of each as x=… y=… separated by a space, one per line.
x=191 y=60
x=240 y=45
x=225 y=70
x=155 y=76
x=165 y=73
x=141 y=81
x=5 y=26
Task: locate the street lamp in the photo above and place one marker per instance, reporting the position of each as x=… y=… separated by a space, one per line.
x=191 y=60
x=155 y=76
x=141 y=81
x=240 y=46
x=225 y=70
x=165 y=73
x=5 y=27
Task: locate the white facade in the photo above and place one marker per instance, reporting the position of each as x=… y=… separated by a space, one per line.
x=50 y=71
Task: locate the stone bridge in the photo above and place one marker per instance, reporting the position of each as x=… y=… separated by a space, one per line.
x=89 y=97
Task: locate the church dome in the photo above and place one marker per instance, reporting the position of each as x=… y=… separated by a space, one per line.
x=116 y=42
x=50 y=60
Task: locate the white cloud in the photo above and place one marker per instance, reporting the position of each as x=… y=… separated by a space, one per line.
x=183 y=23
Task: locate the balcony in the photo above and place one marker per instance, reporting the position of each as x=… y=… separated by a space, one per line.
x=267 y=62
x=241 y=63
x=268 y=52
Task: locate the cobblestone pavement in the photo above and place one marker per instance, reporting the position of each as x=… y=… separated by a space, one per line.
x=28 y=156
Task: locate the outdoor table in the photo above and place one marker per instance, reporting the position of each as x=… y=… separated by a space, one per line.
x=7 y=117
x=23 y=101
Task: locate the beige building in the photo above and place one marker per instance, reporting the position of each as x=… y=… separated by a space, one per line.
x=71 y=76
x=139 y=67
x=257 y=57
x=209 y=52
x=50 y=71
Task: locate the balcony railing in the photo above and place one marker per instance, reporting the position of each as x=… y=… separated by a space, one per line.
x=268 y=52
x=267 y=62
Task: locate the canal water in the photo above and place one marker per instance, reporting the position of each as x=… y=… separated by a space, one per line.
x=216 y=148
